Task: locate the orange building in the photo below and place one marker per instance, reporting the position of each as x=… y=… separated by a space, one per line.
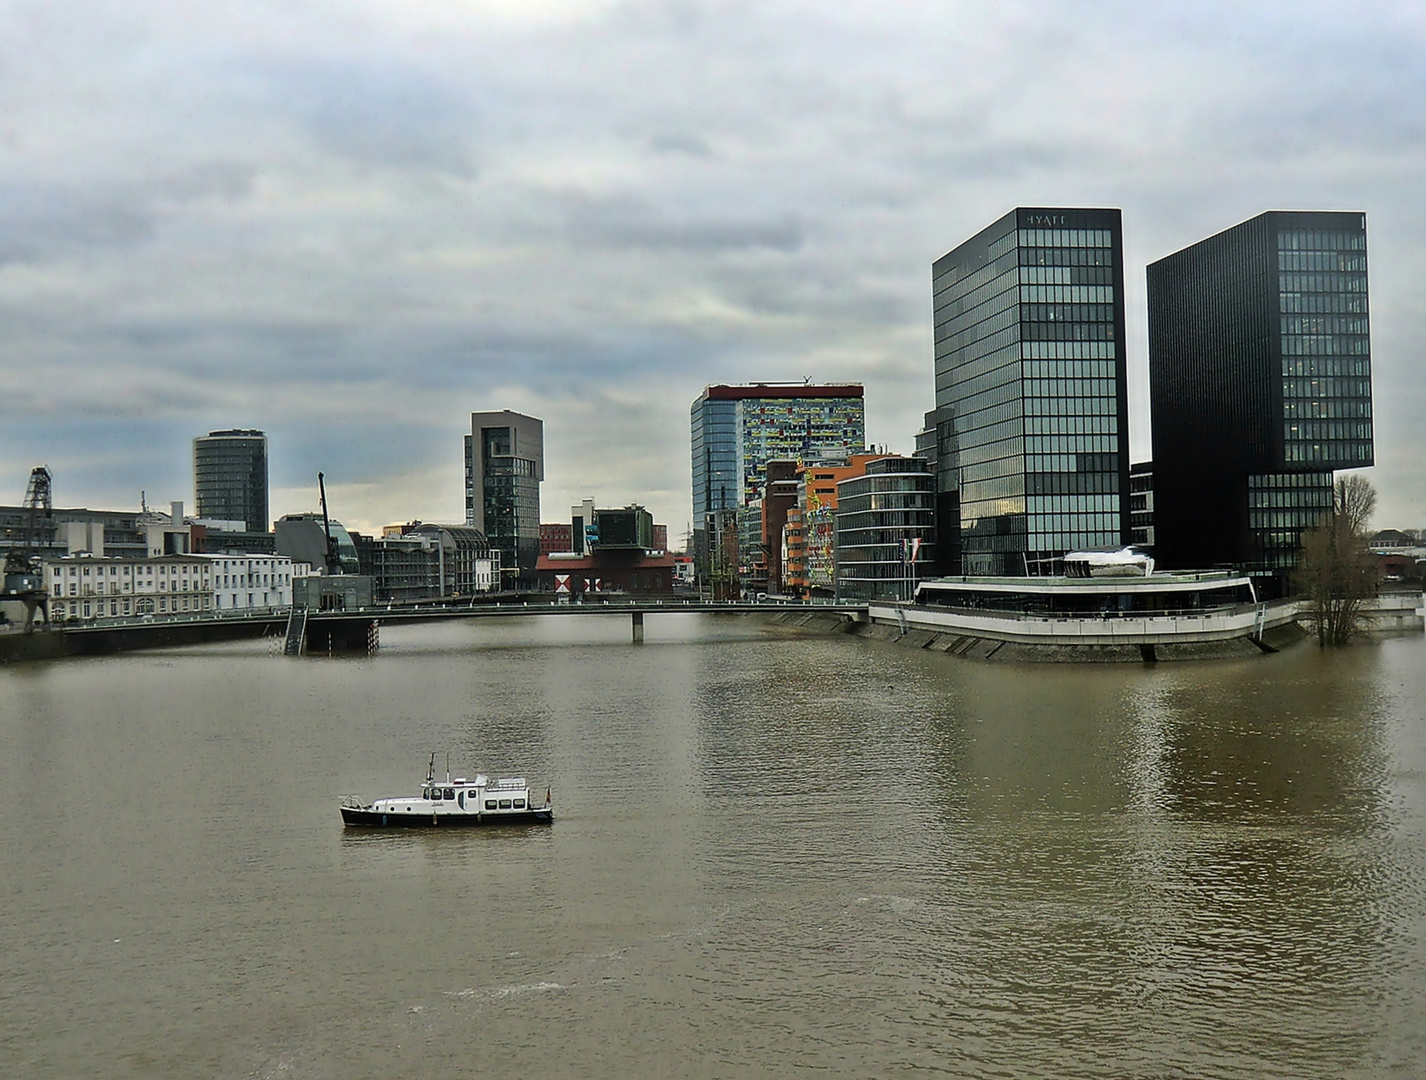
x=808 y=535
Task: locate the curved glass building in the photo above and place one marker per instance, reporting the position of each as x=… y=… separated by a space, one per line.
x=230 y=477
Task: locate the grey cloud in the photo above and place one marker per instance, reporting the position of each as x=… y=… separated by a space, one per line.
x=669 y=194
x=376 y=113
x=40 y=222
x=228 y=181
x=675 y=143
x=614 y=221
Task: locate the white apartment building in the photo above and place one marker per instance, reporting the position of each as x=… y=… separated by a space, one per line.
x=250 y=582
x=95 y=587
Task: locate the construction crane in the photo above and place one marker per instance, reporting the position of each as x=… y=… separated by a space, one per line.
x=334 y=563
x=23 y=580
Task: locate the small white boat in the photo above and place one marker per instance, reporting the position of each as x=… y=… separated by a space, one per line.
x=478 y=801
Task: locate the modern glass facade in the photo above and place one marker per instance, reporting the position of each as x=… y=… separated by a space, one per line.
x=1281 y=507
x=1326 y=347
x=737 y=430
x=1030 y=377
x=885 y=529
x=1260 y=386
x=714 y=428
x=230 y=477
x=504 y=463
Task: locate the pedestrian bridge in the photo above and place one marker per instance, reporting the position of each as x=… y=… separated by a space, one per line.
x=359 y=628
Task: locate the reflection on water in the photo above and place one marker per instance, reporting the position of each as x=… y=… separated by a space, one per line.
x=769 y=853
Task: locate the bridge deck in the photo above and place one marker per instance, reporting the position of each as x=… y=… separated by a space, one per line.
x=435 y=611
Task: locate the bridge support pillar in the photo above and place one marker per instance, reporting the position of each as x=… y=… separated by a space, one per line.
x=638 y=628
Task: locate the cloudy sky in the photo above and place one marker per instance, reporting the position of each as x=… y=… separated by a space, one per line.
x=351 y=224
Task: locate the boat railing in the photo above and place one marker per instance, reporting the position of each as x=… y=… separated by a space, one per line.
x=352 y=802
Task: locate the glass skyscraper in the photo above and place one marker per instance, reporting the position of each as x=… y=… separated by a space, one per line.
x=504 y=464
x=1260 y=386
x=1030 y=380
x=883 y=520
x=737 y=430
x=230 y=477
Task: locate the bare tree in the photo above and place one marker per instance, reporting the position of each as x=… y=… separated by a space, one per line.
x=1336 y=571
x=1354 y=499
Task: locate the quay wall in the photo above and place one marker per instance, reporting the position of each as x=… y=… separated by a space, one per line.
x=1243 y=633
x=52 y=644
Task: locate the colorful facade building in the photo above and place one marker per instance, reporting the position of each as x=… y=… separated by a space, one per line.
x=737 y=430
x=810 y=569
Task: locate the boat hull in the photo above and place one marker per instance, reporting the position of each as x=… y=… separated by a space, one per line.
x=373 y=819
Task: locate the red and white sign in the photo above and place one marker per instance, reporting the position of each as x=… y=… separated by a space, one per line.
x=561 y=583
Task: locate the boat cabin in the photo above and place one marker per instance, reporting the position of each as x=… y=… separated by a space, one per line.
x=507 y=793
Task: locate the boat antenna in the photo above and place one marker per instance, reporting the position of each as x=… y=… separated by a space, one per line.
x=431 y=768
x=448 y=766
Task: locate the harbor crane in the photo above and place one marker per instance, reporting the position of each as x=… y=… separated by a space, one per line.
x=334 y=563
x=23 y=579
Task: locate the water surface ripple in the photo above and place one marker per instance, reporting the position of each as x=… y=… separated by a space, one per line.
x=773 y=855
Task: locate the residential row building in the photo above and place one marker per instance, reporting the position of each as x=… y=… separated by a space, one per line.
x=859 y=527
x=85 y=587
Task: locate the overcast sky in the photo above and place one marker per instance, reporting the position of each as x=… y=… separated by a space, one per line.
x=352 y=224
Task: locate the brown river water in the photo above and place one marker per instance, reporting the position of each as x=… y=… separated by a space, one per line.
x=772 y=856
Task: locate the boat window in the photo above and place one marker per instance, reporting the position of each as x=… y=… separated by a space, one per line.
x=461 y=799
x=505 y=804
x=450 y=793
x=519 y=804
x=490 y=804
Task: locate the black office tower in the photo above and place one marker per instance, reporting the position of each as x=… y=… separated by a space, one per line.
x=1029 y=332
x=1260 y=386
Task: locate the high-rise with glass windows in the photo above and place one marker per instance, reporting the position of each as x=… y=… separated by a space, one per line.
x=1260 y=386
x=504 y=464
x=1029 y=339
x=737 y=430
x=230 y=477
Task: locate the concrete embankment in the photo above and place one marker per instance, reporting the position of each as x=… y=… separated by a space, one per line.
x=982 y=648
x=815 y=622
x=53 y=644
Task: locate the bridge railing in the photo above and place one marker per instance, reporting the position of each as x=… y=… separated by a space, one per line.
x=438 y=607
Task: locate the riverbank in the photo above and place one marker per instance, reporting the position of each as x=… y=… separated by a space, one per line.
x=44 y=644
